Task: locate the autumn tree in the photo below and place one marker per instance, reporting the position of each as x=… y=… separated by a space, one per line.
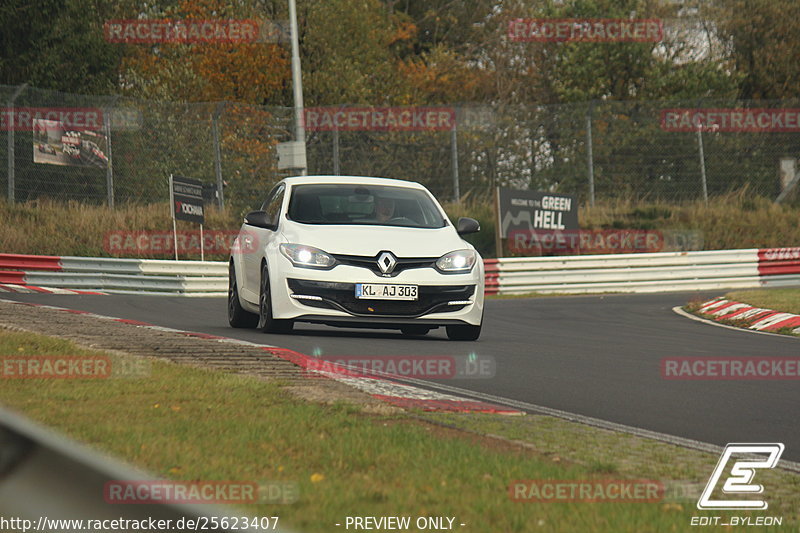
x=254 y=73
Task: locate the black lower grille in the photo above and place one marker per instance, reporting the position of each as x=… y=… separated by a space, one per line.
x=432 y=299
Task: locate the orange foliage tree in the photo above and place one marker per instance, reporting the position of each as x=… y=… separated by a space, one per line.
x=254 y=73
x=243 y=77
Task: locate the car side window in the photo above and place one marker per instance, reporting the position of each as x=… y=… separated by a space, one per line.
x=273 y=206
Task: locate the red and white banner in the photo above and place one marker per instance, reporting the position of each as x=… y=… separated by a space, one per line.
x=774 y=261
x=380 y=118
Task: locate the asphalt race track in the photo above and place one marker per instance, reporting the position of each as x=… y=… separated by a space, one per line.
x=597 y=356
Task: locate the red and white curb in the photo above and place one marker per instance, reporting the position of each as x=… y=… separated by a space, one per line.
x=755 y=318
x=397 y=394
x=28 y=289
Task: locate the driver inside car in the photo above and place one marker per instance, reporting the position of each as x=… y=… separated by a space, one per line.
x=384 y=209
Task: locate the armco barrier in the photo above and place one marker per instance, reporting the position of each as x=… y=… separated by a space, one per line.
x=46 y=478
x=141 y=276
x=654 y=272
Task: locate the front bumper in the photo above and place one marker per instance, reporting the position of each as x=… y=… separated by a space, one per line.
x=329 y=297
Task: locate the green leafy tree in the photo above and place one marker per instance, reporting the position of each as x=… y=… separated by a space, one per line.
x=347 y=53
x=58 y=44
x=761 y=39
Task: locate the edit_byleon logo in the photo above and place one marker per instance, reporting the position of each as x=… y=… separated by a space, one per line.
x=740 y=481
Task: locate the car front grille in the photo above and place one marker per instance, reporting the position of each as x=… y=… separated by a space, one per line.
x=432 y=299
x=371 y=263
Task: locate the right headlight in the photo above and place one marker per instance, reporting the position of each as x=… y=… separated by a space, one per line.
x=458 y=262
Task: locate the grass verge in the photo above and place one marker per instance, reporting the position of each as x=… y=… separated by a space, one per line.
x=186 y=423
x=785 y=300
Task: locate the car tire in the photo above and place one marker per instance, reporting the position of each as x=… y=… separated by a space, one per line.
x=463 y=333
x=237 y=316
x=415 y=330
x=266 y=323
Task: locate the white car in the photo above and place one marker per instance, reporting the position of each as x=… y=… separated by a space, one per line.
x=355 y=252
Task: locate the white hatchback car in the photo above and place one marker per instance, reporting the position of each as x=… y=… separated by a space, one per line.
x=355 y=252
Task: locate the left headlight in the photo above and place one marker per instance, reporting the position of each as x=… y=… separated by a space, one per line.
x=458 y=262
x=307 y=256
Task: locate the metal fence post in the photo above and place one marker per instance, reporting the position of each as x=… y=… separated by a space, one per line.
x=11 y=139
x=336 y=166
x=218 y=155
x=702 y=162
x=589 y=155
x=297 y=85
x=454 y=155
x=110 y=162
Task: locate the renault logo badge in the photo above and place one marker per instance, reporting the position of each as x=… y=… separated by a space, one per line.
x=386 y=262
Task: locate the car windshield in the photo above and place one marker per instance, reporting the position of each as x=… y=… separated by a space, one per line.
x=364 y=205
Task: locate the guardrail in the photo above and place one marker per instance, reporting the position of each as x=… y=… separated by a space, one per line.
x=645 y=272
x=653 y=272
x=110 y=275
x=46 y=479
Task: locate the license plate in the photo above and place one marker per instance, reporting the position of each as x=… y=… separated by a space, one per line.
x=380 y=291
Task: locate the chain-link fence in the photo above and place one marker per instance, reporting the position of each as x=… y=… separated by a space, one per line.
x=117 y=150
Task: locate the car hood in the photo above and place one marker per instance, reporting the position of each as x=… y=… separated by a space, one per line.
x=369 y=241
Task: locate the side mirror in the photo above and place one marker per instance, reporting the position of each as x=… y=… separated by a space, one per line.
x=467 y=225
x=259 y=219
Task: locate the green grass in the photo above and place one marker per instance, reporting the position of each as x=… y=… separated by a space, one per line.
x=185 y=423
x=618 y=455
x=785 y=300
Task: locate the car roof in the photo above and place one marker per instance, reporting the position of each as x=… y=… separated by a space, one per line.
x=362 y=180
